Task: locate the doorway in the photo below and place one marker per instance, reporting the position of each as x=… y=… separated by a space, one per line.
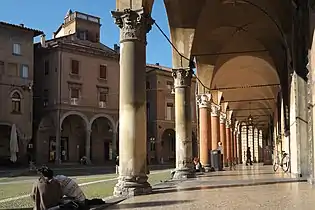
x=64 y=149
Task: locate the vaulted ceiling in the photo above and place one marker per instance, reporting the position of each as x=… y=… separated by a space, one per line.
x=239 y=43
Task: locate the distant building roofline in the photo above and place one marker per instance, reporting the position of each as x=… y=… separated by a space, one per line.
x=22 y=27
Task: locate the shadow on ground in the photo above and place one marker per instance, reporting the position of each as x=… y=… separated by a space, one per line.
x=213 y=174
x=148 y=204
x=80 y=171
x=172 y=189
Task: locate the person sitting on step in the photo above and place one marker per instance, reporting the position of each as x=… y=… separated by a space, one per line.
x=46 y=191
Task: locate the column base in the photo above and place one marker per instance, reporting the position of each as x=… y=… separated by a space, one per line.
x=183 y=173
x=132 y=186
x=207 y=168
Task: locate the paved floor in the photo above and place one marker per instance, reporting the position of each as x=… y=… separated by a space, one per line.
x=256 y=187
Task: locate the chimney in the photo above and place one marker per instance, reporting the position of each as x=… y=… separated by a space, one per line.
x=43 y=40
x=116 y=48
x=157 y=64
x=22 y=25
x=53 y=35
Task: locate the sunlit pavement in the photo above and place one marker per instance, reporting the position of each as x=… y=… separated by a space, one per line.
x=252 y=187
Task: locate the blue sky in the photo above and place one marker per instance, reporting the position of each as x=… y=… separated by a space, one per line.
x=48 y=15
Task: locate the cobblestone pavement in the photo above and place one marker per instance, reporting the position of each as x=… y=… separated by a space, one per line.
x=253 y=188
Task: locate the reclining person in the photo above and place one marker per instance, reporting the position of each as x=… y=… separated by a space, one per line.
x=71 y=189
x=46 y=192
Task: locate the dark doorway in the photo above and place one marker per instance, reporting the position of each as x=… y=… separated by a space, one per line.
x=106 y=151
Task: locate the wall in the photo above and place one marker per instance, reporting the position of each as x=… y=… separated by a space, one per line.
x=8 y=36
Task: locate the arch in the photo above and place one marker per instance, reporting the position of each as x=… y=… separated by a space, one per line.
x=16 y=91
x=102 y=115
x=117 y=126
x=168 y=140
x=67 y=114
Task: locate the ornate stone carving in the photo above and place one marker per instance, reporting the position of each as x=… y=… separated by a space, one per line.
x=182 y=77
x=228 y=123
x=222 y=118
x=215 y=110
x=134 y=24
x=203 y=100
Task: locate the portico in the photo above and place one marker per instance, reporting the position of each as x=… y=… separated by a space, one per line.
x=251 y=67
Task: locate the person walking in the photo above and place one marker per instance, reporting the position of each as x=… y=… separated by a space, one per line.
x=248 y=157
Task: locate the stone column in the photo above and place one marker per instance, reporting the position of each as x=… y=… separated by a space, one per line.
x=88 y=144
x=215 y=126
x=228 y=141
x=183 y=127
x=134 y=25
x=205 y=129
x=223 y=134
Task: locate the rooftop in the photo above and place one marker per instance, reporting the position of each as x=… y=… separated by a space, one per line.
x=21 y=27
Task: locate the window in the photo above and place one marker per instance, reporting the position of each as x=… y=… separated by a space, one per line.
x=82 y=35
x=74 y=93
x=97 y=37
x=169 y=85
x=16 y=49
x=103 y=95
x=152 y=146
x=12 y=69
x=46 y=97
x=75 y=67
x=1 y=67
x=24 y=72
x=169 y=109
x=103 y=72
x=16 y=102
x=46 y=68
x=148 y=111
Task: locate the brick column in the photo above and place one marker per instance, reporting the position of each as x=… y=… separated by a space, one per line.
x=223 y=134
x=215 y=126
x=235 y=146
x=205 y=129
x=228 y=141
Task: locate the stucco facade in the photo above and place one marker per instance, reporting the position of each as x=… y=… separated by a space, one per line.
x=16 y=86
x=161 y=114
x=77 y=81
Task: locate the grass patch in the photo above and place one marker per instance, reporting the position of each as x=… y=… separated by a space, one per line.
x=99 y=190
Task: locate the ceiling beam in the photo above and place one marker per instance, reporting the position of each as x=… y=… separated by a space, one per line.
x=246 y=87
x=231 y=53
x=247 y=109
x=261 y=115
x=249 y=100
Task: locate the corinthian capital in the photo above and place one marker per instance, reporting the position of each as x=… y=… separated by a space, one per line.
x=228 y=123
x=215 y=110
x=182 y=77
x=204 y=100
x=222 y=118
x=134 y=24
